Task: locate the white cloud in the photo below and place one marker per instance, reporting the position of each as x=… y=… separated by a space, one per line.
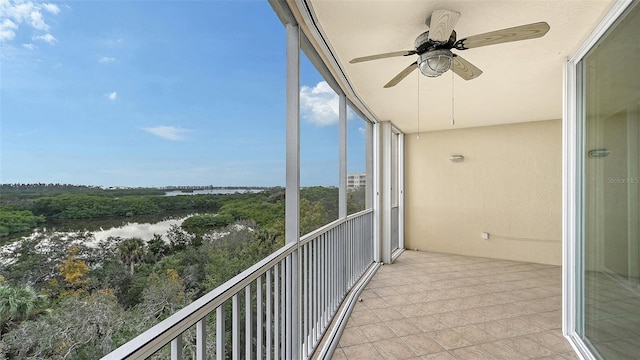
x=167 y=132
x=37 y=21
x=319 y=105
x=363 y=131
x=46 y=38
x=29 y=46
x=106 y=60
x=52 y=8
x=16 y=14
x=7 y=30
x=112 y=96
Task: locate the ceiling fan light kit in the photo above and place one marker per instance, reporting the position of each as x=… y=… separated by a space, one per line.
x=435 y=63
x=434 y=47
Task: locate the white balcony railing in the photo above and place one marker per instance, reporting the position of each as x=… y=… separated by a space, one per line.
x=246 y=317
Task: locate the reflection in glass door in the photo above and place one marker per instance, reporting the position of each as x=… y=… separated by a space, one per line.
x=610 y=292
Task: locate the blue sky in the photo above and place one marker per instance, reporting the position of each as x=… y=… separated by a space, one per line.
x=144 y=93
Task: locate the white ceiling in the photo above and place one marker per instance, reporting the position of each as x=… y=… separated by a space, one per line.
x=522 y=81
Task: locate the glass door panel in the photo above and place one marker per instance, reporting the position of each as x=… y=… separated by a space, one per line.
x=611 y=159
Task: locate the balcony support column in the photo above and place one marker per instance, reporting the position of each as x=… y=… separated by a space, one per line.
x=292 y=192
x=376 y=188
x=385 y=169
x=342 y=193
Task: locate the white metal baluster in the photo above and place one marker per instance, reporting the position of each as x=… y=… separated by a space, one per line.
x=276 y=307
x=320 y=288
x=247 y=322
x=176 y=348
x=325 y=274
x=260 y=318
x=201 y=339
x=269 y=338
x=334 y=269
x=305 y=299
x=314 y=289
x=235 y=328
x=220 y=330
x=283 y=303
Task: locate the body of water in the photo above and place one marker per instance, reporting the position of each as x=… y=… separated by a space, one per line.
x=212 y=192
x=144 y=231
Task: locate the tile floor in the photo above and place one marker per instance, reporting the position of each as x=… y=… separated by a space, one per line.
x=613 y=315
x=451 y=307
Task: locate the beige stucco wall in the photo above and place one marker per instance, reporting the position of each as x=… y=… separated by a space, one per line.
x=509 y=185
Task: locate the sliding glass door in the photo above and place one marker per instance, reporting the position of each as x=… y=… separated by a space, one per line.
x=608 y=290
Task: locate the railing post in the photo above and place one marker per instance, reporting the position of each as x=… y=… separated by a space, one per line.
x=292 y=191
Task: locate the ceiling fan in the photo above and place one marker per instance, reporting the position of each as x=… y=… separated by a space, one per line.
x=433 y=47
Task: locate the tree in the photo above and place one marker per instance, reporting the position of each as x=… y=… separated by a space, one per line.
x=167 y=296
x=312 y=216
x=17 y=304
x=80 y=328
x=156 y=249
x=73 y=271
x=132 y=252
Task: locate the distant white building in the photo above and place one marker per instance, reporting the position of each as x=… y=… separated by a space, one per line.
x=355 y=181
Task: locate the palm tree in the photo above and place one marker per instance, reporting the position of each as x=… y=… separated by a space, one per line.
x=19 y=303
x=132 y=252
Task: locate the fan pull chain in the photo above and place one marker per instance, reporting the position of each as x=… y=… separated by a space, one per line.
x=453 y=107
x=418 y=137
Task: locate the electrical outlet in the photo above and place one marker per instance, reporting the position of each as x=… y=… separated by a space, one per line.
x=485 y=235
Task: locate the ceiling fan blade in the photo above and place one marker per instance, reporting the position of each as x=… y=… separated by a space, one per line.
x=524 y=32
x=465 y=69
x=442 y=24
x=403 y=74
x=382 y=56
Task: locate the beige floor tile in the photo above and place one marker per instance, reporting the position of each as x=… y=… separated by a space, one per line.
x=376 y=332
x=474 y=334
x=570 y=356
x=394 y=349
x=543 y=322
x=388 y=314
x=403 y=327
x=339 y=355
x=495 y=312
x=528 y=347
x=471 y=353
x=428 y=323
x=422 y=344
x=364 y=317
x=520 y=326
x=501 y=351
x=497 y=330
x=552 y=357
x=449 y=339
x=411 y=310
x=392 y=290
x=439 y=356
x=375 y=303
x=361 y=352
x=353 y=336
x=433 y=307
x=368 y=294
x=552 y=340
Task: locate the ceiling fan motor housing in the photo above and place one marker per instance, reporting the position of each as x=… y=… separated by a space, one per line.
x=424 y=44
